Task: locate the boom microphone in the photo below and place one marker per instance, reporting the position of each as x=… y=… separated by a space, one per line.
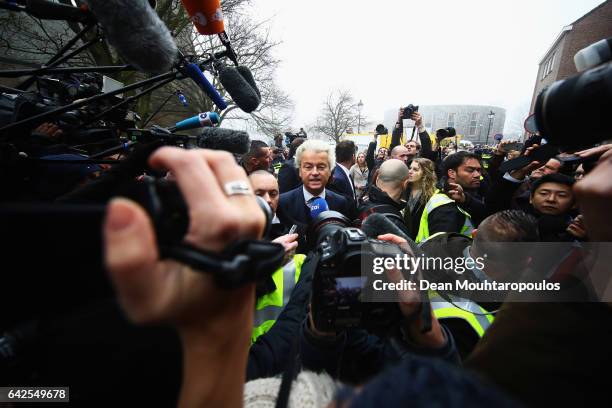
x=230 y=140
x=248 y=76
x=135 y=30
x=239 y=83
x=203 y=119
x=198 y=77
x=206 y=15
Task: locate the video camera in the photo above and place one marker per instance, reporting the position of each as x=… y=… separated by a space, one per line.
x=342 y=297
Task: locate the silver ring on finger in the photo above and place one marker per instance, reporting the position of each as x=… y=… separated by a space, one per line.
x=237 y=187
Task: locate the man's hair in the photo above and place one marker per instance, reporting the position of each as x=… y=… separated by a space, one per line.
x=255 y=149
x=294 y=145
x=262 y=173
x=552 y=178
x=393 y=171
x=502 y=227
x=345 y=150
x=317 y=146
x=453 y=161
x=508 y=226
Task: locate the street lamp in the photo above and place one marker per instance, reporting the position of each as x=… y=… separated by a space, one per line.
x=491 y=116
x=359 y=106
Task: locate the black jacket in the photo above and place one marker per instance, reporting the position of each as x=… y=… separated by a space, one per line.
x=269 y=354
x=288 y=177
x=380 y=202
x=354 y=356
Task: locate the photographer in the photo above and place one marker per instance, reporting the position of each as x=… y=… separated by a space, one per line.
x=354 y=355
x=416 y=150
x=374 y=163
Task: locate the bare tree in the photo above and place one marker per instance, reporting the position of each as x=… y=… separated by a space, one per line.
x=338 y=114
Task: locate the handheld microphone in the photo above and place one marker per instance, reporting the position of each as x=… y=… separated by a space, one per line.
x=230 y=140
x=206 y=15
x=317 y=206
x=242 y=90
x=195 y=73
x=136 y=31
x=203 y=119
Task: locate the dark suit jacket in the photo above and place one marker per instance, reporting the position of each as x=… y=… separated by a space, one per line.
x=293 y=209
x=341 y=184
x=288 y=177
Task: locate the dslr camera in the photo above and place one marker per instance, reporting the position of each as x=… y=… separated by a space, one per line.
x=409 y=110
x=343 y=297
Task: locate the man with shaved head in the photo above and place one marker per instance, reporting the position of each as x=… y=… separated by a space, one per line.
x=385 y=196
x=401 y=153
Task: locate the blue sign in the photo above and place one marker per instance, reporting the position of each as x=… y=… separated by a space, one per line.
x=498 y=137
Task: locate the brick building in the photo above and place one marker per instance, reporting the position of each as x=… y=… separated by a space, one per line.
x=558 y=62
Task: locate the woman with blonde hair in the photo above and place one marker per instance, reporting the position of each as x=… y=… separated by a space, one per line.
x=359 y=173
x=422 y=178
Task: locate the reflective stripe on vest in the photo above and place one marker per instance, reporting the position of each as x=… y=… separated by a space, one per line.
x=477 y=317
x=438 y=200
x=270 y=305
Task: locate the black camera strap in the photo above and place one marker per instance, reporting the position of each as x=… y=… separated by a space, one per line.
x=243 y=262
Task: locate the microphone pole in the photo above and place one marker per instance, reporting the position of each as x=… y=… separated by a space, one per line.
x=57 y=58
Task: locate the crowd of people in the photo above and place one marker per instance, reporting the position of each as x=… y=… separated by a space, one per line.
x=259 y=345
x=484 y=352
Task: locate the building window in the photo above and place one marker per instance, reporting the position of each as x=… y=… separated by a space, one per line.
x=548 y=65
x=473 y=124
x=451 y=120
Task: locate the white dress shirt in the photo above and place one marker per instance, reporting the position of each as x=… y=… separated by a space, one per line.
x=308 y=196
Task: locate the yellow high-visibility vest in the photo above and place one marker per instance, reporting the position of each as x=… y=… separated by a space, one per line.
x=269 y=306
x=477 y=317
x=437 y=200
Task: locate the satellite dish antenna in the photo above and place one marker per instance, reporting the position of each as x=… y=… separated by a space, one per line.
x=530 y=124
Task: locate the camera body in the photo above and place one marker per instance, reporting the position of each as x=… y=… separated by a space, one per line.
x=409 y=110
x=339 y=289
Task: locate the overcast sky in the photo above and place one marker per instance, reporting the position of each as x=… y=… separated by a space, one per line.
x=390 y=53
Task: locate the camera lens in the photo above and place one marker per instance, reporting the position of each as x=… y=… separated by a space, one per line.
x=326 y=224
x=574 y=112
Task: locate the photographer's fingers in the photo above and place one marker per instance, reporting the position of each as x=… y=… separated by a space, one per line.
x=399 y=241
x=248 y=218
x=193 y=175
x=594 y=151
x=130 y=252
x=531 y=149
